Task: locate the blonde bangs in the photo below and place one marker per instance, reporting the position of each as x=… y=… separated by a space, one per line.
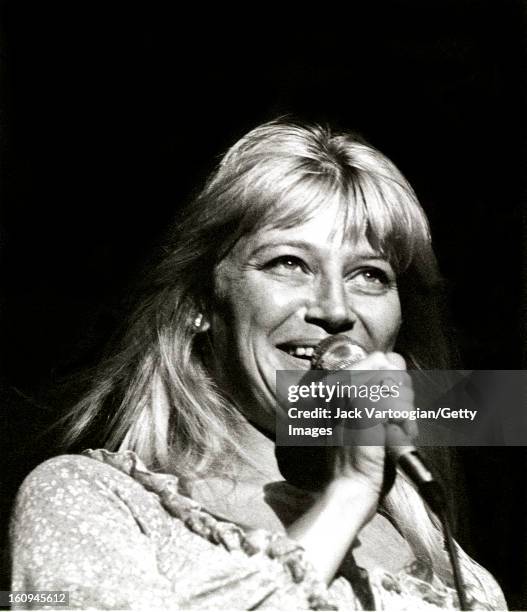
x=382 y=209
x=388 y=214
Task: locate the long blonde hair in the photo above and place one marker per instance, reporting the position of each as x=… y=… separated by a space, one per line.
x=154 y=394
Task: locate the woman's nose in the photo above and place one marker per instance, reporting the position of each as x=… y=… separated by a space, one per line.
x=330 y=307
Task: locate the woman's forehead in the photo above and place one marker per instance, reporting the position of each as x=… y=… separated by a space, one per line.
x=318 y=233
x=331 y=221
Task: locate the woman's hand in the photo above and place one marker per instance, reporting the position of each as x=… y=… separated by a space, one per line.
x=365 y=462
x=350 y=499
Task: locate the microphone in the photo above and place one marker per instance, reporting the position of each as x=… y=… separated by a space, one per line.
x=339 y=353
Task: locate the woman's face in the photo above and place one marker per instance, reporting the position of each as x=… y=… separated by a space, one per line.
x=281 y=291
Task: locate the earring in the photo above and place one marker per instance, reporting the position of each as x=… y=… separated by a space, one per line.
x=200 y=323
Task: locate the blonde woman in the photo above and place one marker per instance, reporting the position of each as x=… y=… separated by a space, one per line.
x=300 y=234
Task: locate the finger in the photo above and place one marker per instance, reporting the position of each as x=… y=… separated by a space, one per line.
x=398 y=377
x=395 y=435
x=374 y=361
x=372 y=435
x=398 y=392
x=411 y=429
x=409 y=426
x=378 y=360
x=396 y=360
x=401 y=407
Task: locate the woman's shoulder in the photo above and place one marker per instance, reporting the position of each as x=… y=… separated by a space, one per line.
x=61 y=464
x=82 y=483
x=67 y=470
x=71 y=492
x=88 y=464
x=101 y=476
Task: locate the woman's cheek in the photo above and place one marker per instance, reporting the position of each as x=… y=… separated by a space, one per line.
x=383 y=319
x=266 y=299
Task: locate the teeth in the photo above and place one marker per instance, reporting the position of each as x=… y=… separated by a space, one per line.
x=301 y=351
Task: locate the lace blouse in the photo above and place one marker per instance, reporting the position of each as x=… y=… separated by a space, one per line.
x=115 y=535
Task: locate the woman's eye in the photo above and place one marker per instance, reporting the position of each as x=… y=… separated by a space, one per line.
x=373 y=280
x=375 y=275
x=287 y=263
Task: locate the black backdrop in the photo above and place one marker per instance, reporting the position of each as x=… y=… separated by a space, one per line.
x=113 y=113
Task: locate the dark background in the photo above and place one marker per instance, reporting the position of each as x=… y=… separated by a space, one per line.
x=113 y=113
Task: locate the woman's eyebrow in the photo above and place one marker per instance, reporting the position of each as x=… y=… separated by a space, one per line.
x=298 y=244
x=308 y=246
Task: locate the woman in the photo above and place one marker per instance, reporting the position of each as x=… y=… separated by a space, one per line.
x=299 y=235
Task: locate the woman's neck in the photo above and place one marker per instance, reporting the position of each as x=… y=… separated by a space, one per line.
x=257 y=459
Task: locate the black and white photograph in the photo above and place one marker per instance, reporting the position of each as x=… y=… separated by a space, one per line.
x=263 y=306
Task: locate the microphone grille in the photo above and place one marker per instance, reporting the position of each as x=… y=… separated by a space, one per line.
x=336 y=353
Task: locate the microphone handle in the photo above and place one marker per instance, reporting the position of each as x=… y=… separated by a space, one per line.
x=339 y=353
x=406 y=456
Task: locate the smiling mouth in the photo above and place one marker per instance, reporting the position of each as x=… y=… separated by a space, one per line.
x=301 y=352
